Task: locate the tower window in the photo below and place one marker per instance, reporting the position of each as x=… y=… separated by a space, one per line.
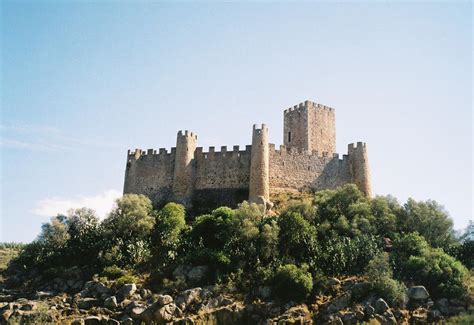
x=289 y=136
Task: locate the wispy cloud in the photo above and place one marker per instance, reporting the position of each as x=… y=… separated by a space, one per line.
x=46 y=138
x=102 y=203
x=19 y=144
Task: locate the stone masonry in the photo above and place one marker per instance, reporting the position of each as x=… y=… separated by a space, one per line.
x=306 y=161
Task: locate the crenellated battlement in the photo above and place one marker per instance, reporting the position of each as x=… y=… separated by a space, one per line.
x=306 y=160
x=304 y=106
x=161 y=152
x=223 y=153
x=284 y=151
x=351 y=147
x=187 y=134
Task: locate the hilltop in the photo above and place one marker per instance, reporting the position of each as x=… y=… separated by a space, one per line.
x=333 y=256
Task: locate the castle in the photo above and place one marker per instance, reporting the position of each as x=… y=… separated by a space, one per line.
x=306 y=161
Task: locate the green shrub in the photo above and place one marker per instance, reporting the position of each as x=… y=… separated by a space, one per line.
x=126 y=279
x=416 y=261
x=340 y=255
x=292 y=283
x=113 y=272
x=380 y=275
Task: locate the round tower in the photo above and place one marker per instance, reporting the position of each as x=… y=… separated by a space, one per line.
x=359 y=162
x=183 y=166
x=259 y=189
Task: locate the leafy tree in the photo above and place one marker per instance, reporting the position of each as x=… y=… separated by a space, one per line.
x=84 y=231
x=429 y=219
x=339 y=255
x=383 y=210
x=379 y=272
x=292 y=283
x=127 y=231
x=409 y=245
x=268 y=241
x=297 y=237
x=166 y=237
x=417 y=262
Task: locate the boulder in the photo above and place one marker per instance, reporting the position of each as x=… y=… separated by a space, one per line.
x=360 y=289
x=127 y=290
x=44 y=294
x=92 y=320
x=136 y=312
x=383 y=320
x=333 y=282
x=145 y=293
x=29 y=306
x=264 y=292
x=197 y=273
x=111 y=302
x=164 y=299
x=418 y=293
x=443 y=306
x=369 y=310
x=87 y=303
x=434 y=315
x=419 y=315
x=188 y=297
x=6 y=298
x=349 y=318
x=101 y=288
x=381 y=306
x=339 y=303
x=165 y=313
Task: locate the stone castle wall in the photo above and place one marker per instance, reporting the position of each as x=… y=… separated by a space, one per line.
x=150 y=173
x=193 y=177
x=301 y=170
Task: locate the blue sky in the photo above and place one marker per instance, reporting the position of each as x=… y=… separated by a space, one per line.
x=83 y=82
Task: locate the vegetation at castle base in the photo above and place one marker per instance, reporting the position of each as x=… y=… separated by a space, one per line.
x=329 y=233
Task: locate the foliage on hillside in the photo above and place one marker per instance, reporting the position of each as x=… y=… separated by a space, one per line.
x=329 y=233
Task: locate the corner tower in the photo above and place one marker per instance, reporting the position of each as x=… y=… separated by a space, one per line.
x=183 y=177
x=259 y=188
x=359 y=164
x=310 y=127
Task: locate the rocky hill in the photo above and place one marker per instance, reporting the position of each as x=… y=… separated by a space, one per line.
x=331 y=257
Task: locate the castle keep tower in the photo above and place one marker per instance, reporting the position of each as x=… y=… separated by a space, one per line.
x=310 y=127
x=259 y=188
x=183 y=167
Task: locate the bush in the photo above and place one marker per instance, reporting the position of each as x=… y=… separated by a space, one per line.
x=429 y=219
x=297 y=237
x=128 y=228
x=166 y=237
x=292 y=283
x=126 y=279
x=113 y=272
x=380 y=275
x=464 y=252
x=416 y=261
x=346 y=256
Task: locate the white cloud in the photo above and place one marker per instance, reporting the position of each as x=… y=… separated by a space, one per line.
x=102 y=203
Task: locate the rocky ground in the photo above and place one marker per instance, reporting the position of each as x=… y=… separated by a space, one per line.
x=70 y=300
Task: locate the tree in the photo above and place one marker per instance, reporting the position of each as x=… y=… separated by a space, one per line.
x=128 y=228
x=297 y=237
x=84 y=236
x=417 y=262
x=429 y=219
x=166 y=237
x=292 y=283
x=380 y=275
